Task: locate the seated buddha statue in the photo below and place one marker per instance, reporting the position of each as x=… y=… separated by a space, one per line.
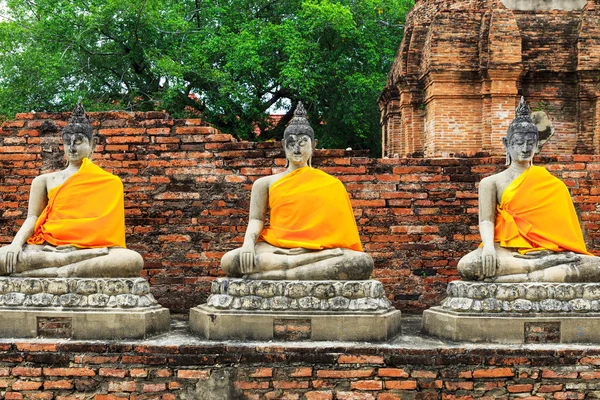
x=312 y=233
x=529 y=228
x=75 y=225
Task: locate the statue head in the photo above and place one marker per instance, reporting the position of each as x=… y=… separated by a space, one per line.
x=299 y=139
x=522 y=136
x=77 y=136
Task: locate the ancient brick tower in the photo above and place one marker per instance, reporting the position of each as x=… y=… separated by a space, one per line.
x=463 y=64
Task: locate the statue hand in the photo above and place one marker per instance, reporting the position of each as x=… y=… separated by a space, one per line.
x=9 y=255
x=489 y=262
x=533 y=254
x=247 y=259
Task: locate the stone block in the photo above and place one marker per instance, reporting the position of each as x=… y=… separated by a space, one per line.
x=80 y=308
x=239 y=309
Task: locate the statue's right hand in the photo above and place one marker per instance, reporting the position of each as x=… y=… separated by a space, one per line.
x=247 y=260
x=489 y=262
x=9 y=255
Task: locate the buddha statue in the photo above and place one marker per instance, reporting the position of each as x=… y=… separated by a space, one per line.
x=312 y=233
x=75 y=225
x=529 y=228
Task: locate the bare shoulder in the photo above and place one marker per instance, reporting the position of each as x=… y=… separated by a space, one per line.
x=489 y=182
x=271 y=179
x=42 y=180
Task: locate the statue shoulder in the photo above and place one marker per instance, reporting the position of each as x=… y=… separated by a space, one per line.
x=490 y=182
x=42 y=180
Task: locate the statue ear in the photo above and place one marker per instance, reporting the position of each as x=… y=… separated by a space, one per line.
x=314 y=144
x=505 y=142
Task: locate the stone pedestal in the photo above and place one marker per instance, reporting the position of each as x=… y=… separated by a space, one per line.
x=241 y=309
x=79 y=308
x=517 y=313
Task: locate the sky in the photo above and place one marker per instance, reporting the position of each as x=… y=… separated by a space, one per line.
x=2 y=10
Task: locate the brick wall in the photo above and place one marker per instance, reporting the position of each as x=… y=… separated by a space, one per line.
x=462 y=66
x=187 y=190
x=136 y=371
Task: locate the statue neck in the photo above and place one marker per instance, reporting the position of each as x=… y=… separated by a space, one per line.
x=516 y=168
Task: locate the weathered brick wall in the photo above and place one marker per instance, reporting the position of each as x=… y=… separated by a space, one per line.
x=463 y=65
x=187 y=190
x=116 y=371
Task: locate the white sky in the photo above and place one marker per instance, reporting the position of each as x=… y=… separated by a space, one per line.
x=2 y=10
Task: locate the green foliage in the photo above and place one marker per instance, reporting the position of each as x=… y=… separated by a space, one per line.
x=230 y=60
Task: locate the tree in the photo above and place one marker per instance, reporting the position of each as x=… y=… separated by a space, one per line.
x=230 y=60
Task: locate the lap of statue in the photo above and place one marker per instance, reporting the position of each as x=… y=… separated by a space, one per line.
x=276 y=263
x=537 y=266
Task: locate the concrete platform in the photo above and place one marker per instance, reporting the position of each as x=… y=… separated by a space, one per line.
x=214 y=324
x=79 y=308
x=512 y=328
x=84 y=324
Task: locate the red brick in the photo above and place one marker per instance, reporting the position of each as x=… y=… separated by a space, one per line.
x=13 y=396
x=454 y=386
x=31 y=347
x=154 y=387
x=60 y=384
x=26 y=385
x=24 y=371
x=319 y=395
x=162 y=373
x=367 y=385
x=548 y=373
x=493 y=373
x=261 y=373
x=348 y=359
x=192 y=374
x=244 y=385
x=550 y=388
x=392 y=372
x=401 y=385
x=423 y=374
x=138 y=373
x=114 y=373
x=122 y=386
x=69 y=372
x=301 y=372
x=290 y=384
x=520 y=388
x=352 y=373
x=354 y=396
x=39 y=396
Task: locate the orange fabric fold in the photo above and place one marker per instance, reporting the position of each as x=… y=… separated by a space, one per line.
x=310 y=209
x=85 y=211
x=537 y=213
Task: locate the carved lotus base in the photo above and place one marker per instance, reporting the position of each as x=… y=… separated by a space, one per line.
x=79 y=308
x=522 y=298
x=517 y=313
x=239 y=309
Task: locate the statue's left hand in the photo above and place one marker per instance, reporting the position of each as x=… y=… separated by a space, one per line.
x=9 y=256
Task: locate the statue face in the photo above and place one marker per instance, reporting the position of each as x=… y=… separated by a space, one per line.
x=521 y=146
x=298 y=149
x=77 y=146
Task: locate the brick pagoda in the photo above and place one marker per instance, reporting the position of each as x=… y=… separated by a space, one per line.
x=462 y=66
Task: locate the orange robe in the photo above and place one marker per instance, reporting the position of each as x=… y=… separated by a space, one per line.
x=537 y=213
x=85 y=211
x=310 y=209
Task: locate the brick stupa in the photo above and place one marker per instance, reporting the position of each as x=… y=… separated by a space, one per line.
x=463 y=65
